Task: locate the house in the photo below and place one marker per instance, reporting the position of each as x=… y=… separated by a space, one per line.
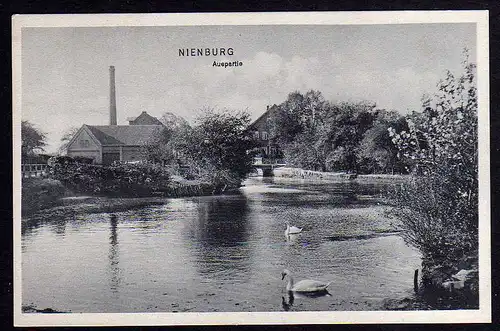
x=105 y=144
x=267 y=146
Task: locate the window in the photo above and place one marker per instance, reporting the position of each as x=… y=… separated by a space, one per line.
x=84 y=143
x=264 y=135
x=256 y=134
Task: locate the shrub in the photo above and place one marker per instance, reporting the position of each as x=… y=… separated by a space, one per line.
x=38 y=193
x=439 y=207
x=117 y=179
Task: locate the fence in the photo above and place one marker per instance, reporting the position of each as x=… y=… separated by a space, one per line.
x=34 y=170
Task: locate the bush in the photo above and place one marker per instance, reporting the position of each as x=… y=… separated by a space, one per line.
x=439 y=207
x=40 y=193
x=118 y=179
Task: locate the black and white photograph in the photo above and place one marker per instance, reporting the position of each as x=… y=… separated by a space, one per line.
x=251 y=168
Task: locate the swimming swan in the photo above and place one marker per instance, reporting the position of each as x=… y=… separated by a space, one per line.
x=292 y=229
x=306 y=285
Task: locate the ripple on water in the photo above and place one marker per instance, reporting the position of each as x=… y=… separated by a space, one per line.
x=221 y=253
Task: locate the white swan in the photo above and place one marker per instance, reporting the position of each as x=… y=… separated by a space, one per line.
x=292 y=229
x=305 y=286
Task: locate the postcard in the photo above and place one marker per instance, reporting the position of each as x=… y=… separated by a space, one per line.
x=251 y=168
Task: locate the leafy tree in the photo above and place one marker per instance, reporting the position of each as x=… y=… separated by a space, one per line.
x=173 y=122
x=158 y=149
x=217 y=147
x=439 y=207
x=306 y=152
x=66 y=138
x=376 y=151
x=32 y=139
x=344 y=128
x=299 y=113
x=296 y=125
x=162 y=148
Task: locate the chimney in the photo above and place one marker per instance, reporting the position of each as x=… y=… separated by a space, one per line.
x=112 y=96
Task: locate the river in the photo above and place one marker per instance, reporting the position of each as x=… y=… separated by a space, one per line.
x=220 y=253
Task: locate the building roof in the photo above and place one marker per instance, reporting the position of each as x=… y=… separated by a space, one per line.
x=144 y=119
x=262 y=118
x=120 y=135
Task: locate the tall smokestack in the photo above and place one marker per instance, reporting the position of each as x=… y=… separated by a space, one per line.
x=112 y=96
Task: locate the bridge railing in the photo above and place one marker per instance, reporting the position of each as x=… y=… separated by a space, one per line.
x=34 y=170
x=267 y=161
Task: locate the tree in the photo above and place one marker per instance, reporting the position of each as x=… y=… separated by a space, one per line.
x=299 y=113
x=163 y=147
x=343 y=130
x=376 y=152
x=296 y=125
x=305 y=152
x=159 y=148
x=66 y=138
x=439 y=207
x=217 y=147
x=315 y=134
x=173 y=122
x=32 y=139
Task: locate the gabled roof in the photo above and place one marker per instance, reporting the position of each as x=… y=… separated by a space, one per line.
x=124 y=135
x=268 y=112
x=144 y=119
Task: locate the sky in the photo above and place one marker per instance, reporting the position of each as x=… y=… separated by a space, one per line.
x=65 y=71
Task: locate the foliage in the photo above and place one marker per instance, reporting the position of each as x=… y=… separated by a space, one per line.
x=344 y=129
x=310 y=157
x=32 y=139
x=129 y=179
x=38 y=193
x=376 y=152
x=318 y=135
x=173 y=122
x=298 y=114
x=439 y=208
x=216 y=148
x=162 y=148
x=158 y=149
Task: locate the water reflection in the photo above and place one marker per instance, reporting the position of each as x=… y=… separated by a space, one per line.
x=219 y=234
x=288 y=302
x=292 y=238
x=217 y=253
x=113 y=255
x=221 y=221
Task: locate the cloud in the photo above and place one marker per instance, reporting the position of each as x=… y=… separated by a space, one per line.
x=265 y=78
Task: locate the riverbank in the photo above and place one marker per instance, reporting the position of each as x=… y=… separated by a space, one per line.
x=45 y=193
x=287 y=172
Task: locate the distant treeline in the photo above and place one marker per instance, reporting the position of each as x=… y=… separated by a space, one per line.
x=316 y=134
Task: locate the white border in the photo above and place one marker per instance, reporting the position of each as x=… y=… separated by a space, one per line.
x=483 y=315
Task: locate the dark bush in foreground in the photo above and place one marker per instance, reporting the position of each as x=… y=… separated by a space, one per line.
x=38 y=193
